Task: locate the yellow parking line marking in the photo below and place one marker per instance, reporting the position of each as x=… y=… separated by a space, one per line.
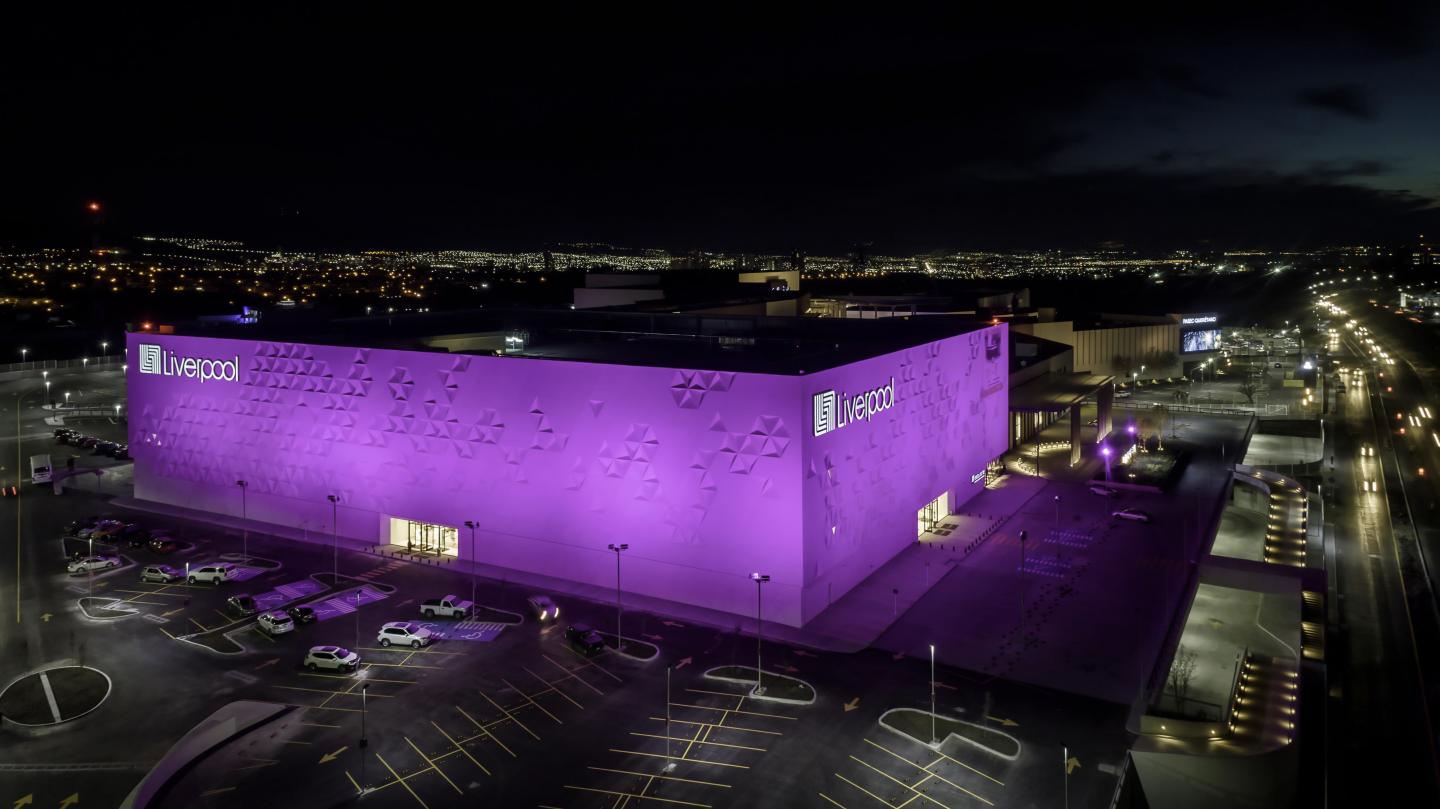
x=421 y=754
x=401 y=780
x=571 y=674
x=690 y=760
x=207 y=793
x=508 y=715
x=352 y=678
x=864 y=763
x=222 y=615
x=588 y=662
x=831 y=800
x=731 y=710
x=720 y=726
x=330 y=708
x=553 y=688
x=147 y=592
x=461 y=749
x=968 y=767
x=331 y=693
x=317 y=724
x=641 y=797
x=487 y=732
x=716 y=693
x=354 y=783
x=296 y=742
x=409 y=651
x=531 y=701
x=698 y=740
x=866 y=791
x=662 y=777
x=399 y=665
x=203 y=628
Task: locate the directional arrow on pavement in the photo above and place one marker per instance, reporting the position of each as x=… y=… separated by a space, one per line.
x=25 y=800
x=939 y=684
x=172 y=612
x=73 y=799
x=647 y=636
x=272 y=661
x=1071 y=765
x=852 y=705
x=683 y=662
x=46 y=617
x=897 y=656
x=329 y=757
x=1009 y=723
x=803 y=653
x=788 y=669
x=672 y=623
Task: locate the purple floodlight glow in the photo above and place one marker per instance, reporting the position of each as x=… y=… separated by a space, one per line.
x=1105 y=451
x=815 y=479
x=1130 y=429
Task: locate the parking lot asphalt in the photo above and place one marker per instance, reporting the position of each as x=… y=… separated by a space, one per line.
x=506 y=713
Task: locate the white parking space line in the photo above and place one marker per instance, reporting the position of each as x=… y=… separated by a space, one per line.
x=50 y=696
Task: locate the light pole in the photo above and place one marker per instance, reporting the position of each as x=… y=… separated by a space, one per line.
x=335 y=538
x=22 y=355
x=244 y=521
x=1057 y=515
x=104 y=345
x=932 y=693
x=47 y=391
x=471 y=525
x=619 y=643
x=364 y=693
x=1106 y=452
x=1022 y=591
x=67 y=398
x=759 y=579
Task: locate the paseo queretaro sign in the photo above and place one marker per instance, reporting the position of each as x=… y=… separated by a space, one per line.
x=1198 y=319
x=156 y=360
x=835 y=410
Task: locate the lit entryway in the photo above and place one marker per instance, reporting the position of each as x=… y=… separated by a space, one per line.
x=933 y=512
x=424 y=537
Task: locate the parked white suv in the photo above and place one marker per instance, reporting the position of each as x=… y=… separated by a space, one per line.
x=404 y=633
x=275 y=622
x=333 y=658
x=213 y=574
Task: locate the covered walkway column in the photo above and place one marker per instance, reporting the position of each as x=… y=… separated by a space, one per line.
x=1104 y=400
x=1075 y=433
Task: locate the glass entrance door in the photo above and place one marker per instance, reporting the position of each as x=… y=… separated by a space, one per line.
x=932 y=513
x=424 y=538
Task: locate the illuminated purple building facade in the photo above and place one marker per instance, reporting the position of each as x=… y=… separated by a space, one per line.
x=815 y=478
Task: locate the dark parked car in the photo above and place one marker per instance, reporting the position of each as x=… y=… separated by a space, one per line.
x=88 y=441
x=62 y=432
x=241 y=605
x=301 y=615
x=122 y=452
x=584 y=640
x=163 y=545
x=105 y=447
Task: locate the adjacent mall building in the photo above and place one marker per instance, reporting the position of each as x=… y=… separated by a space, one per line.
x=809 y=450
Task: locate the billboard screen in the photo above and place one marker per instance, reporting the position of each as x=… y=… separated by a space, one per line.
x=1202 y=340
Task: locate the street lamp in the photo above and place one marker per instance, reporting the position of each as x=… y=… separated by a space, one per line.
x=104 y=344
x=22 y=355
x=932 y=693
x=471 y=525
x=364 y=693
x=1022 y=591
x=335 y=538
x=67 y=397
x=759 y=579
x=244 y=520
x=619 y=643
x=1057 y=515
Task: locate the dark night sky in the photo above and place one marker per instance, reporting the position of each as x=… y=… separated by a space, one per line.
x=1287 y=131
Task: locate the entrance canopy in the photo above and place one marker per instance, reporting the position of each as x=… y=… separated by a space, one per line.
x=1056 y=392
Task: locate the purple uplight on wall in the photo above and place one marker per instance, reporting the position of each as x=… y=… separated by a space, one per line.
x=707 y=475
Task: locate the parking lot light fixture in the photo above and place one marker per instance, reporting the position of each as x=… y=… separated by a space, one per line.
x=760 y=579
x=471 y=525
x=932 y=693
x=619 y=642
x=244 y=521
x=334 y=538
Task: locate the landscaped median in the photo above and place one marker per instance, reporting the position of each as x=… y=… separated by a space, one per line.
x=778 y=687
x=631 y=648
x=916 y=724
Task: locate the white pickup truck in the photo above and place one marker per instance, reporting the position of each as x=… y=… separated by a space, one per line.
x=447 y=607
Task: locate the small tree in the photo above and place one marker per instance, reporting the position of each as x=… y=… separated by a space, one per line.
x=1182 y=670
x=1163 y=414
x=1248 y=391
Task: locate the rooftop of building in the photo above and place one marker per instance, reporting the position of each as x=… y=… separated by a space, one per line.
x=758 y=344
